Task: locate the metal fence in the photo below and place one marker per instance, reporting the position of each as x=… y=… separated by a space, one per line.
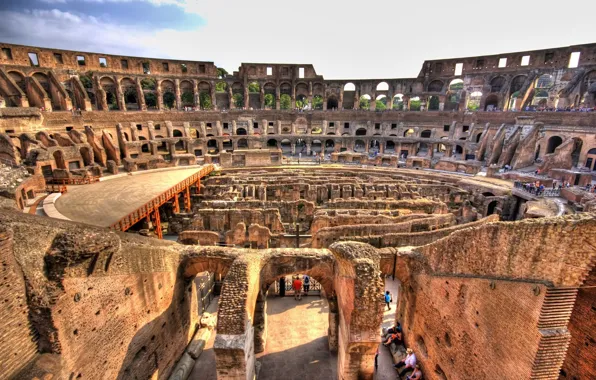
x=315 y=287
x=532 y=189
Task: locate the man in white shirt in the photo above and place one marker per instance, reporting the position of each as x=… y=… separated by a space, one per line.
x=409 y=363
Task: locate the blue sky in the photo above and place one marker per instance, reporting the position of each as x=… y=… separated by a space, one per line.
x=341 y=38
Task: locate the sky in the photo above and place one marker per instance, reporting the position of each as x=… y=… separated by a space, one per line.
x=343 y=39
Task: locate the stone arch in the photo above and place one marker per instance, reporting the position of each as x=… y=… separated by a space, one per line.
x=359 y=146
x=491 y=208
x=329 y=145
x=332 y=102
x=426 y=134
x=553 y=143
x=361 y=132
x=491 y=102
x=272 y=143
x=435 y=86
x=497 y=84
x=129 y=91
x=382 y=86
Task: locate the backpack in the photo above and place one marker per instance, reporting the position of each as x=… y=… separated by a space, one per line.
x=306 y=280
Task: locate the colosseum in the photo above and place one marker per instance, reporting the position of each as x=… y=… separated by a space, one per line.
x=157 y=214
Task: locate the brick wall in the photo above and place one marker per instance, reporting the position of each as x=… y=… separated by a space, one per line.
x=17 y=343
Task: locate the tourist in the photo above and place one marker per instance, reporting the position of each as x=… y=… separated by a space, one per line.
x=409 y=363
x=395 y=337
x=416 y=375
x=306 y=284
x=388 y=300
x=297 y=286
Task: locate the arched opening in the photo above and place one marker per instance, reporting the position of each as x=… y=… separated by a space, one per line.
x=426 y=134
x=433 y=103
x=212 y=147
x=86 y=156
x=497 y=84
x=491 y=208
x=168 y=90
x=145 y=148
x=537 y=155
x=361 y=132
x=316 y=146
x=285 y=102
x=454 y=93
x=254 y=95
x=398 y=102
x=269 y=90
x=222 y=95
x=129 y=89
x=553 y=143
x=301 y=102
x=383 y=86
x=492 y=103
x=488 y=194
x=286 y=146
x=177 y=133
x=241 y=132
x=409 y=132
x=577 y=148
x=109 y=86
x=359 y=146
x=422 y=149
x=365 y=102
x=591 y=159
x=349 y=97
x=187 y=94
x=474 y=101
x=272 y=143
x=59 y=159
x=435 y=86
x=389 y=147
x=381 y=103
x=194 y=133
x=242 y=144
x=459 y=149
x=478 y=136
x=227 y=145
x=150 y=100
x=332 y=103
x=415 y=103
x=205 y=96
x=317 y=102
x=329 y=146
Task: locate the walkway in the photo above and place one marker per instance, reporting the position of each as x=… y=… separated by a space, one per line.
x=104 y=203
x=385 y=370
x=204 y=368
x=297 y=346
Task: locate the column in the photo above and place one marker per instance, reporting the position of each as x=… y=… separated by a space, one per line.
x=262 y=97
x=373 y=101
x=178 y=95
x=310 y=95
x=213 y=96
x=293 y=104
x=140 y=95
x=231 y=98
x=119 y=95
x=340 y=101
x=277 y=98
x=293 y=144
x=195 y=95
x=159 y=98
x=308 y=149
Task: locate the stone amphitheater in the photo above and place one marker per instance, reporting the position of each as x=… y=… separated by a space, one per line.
x=151 y=210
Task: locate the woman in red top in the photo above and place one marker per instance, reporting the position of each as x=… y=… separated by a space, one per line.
x=297 y=286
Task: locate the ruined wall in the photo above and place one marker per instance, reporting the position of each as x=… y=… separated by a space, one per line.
x=17 y=342
x=581 y=355
x=110 y=305
x=457 y=326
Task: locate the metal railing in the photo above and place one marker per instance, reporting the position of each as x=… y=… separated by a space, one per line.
x=532 y=189
x=315 y=286
x=55 y=188
x=73 y=180
x=140 y=213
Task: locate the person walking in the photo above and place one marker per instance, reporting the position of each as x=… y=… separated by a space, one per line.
x=297 y=285
x=388 y=300
x=306 y=284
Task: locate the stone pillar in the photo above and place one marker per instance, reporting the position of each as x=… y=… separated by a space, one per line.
x=246 y=97
x=293 y=104
x=373 y=101
x=382 y=147
x=293 y=144
x=120 y=95
x=213 y=96
x=231 y=98
x=310 y=95
x=195 y=95
x=442 y=99
x=389 y=101
x=140 y=95
x=324 y=131
x=262 y=97
x=277 y=98
x=278 y=131
x=158 y=93
x=333 y=331
x=308 y=149
x=356 y=98
x=340 y=101
x=178 y=95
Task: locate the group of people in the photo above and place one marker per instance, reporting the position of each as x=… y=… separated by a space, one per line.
x=394 y=335
x=299 y=284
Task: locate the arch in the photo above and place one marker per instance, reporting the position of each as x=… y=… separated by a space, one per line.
x=474 y=100
x=409 y=132
x=129 y=90
x=435 y=86
x=545 y=81
x=365 y=102
x=272 y=143
x=241 y=132
x=491 y=208
x=553 y=143
x=145 y=148
x=149 y=84
x=349 y=87
x=317 y=102
x=59 y=159
x=285 y=102
x=456 y=85
x=329 y=146
x=478 y=136
x=332 y=102
x=459 y=149
x=316 y=146
x=433 y=103
x=382 y=86
x=415 y=103
x=390 y=147
x=398 y=102
x=254 y=87
x=497 y=84
x=176 y=133
x=242 y=143
x=426 y=134
x=302 y=102
x=286 y=145
x=381 y=103
x=212 y=147
x=187 y=93
x=361 y=132
x=491 y=103
x=359 y=146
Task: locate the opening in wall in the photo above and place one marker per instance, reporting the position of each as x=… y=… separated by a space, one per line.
x=502 y=62
x=183 y=67
x=269 y=70
x=103 y=62
x=58 y=58
x=6 y=53
x=459 y=68
x=146 y=68
x=33 y=59
x=574 y=59
x=301 y=72
x=124 y=64
x=202 y=69
x=166 y=66
x=81 y=60
x=525 y=61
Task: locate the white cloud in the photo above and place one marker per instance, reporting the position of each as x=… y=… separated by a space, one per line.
x=346 y=39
